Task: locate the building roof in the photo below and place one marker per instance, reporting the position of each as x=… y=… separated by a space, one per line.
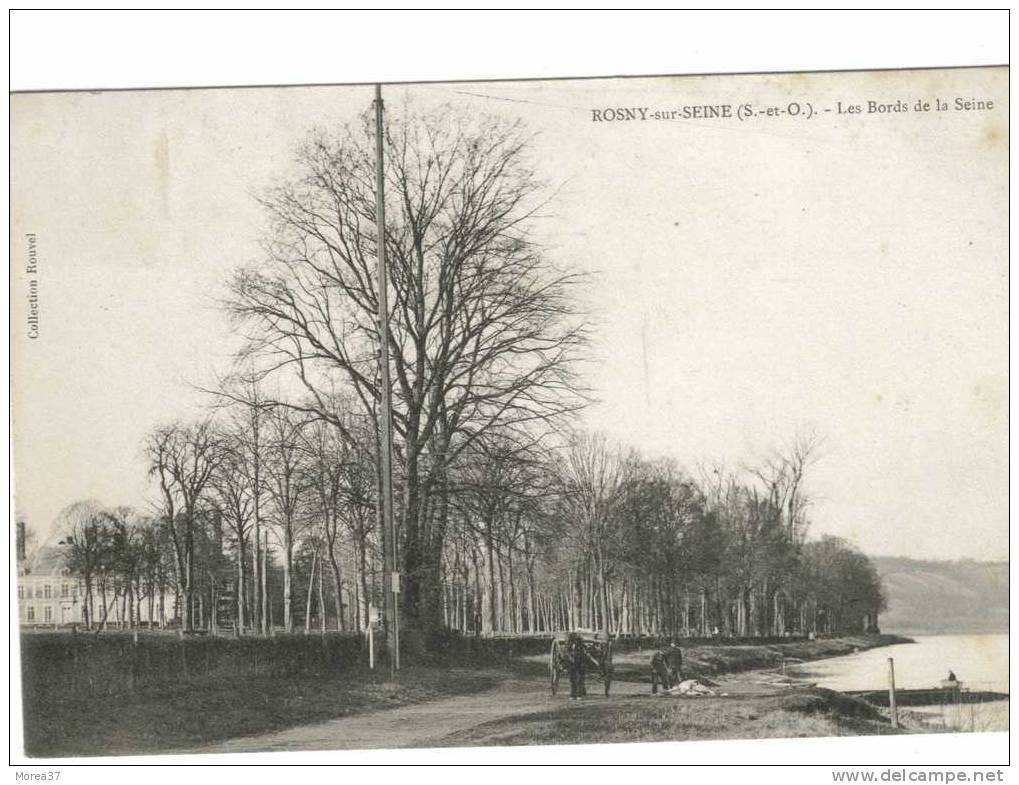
x=47 y=560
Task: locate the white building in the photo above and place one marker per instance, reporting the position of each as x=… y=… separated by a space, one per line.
x=48 y=595
x=47 y=592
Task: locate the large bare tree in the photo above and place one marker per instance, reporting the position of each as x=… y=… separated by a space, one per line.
x=482 y=331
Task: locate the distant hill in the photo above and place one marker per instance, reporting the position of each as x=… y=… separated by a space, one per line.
x=930 y=597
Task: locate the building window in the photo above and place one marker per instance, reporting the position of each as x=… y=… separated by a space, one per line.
x=47 y=614
x=21 y=592
x=30 y=613
x=64 y=590
x=46 y=591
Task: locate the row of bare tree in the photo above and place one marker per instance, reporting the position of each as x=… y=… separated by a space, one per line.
x=583 y=534
x=598 y=536
x=270 y=479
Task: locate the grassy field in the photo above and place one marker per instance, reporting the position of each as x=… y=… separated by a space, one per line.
x=193 y=714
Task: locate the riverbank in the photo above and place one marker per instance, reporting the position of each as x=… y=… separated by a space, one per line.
x=753 y=700
x=709 y=660
x=713 y=660
x=980 y=662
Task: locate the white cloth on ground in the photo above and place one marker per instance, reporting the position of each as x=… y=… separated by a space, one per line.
x=693 y=687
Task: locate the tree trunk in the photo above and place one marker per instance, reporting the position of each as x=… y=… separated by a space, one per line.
x=338 y=585
x=531 y=606
x=266 y=623
x=365 y=596
x=311 y=588
x=502 y=594
x=186 y=595
x=88 y=602
x=102 y=587
x=241 y=587
x=491 y=574
x=213 y=606
x=577 y=589
x=478 y=603
x=514 y=616
x=288 y=565
x=432 y=535
x=259 y=619
x=414 y=558
x=322 y=604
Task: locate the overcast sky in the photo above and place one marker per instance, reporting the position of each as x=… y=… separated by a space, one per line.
x=751 y=278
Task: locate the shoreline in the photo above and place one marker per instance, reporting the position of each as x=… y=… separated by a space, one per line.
x=711 y=660
x=920 y=709
x=752 y=699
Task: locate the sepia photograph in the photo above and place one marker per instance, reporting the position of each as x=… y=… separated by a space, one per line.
x=451 y=414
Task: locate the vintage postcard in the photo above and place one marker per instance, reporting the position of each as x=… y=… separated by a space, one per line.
x=668 y=409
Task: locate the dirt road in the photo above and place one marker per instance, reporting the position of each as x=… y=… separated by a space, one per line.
x=438 y=722
x=418 y=725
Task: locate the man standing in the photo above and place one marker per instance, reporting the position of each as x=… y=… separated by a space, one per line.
x=666 y=667
x=578 y=665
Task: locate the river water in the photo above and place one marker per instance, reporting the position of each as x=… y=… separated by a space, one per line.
x=980 y=662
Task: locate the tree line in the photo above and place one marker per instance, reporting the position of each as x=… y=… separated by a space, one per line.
x=510 y=518
x=268 y=520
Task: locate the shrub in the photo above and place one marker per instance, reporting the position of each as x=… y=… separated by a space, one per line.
x=61 y=666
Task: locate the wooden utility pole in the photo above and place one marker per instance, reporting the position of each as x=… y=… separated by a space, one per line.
x=390 y=576
x=893 y=712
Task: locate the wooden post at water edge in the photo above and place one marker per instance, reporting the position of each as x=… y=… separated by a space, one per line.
x=893 y=712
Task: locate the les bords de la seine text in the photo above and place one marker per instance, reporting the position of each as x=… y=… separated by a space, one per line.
x=792 y=108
